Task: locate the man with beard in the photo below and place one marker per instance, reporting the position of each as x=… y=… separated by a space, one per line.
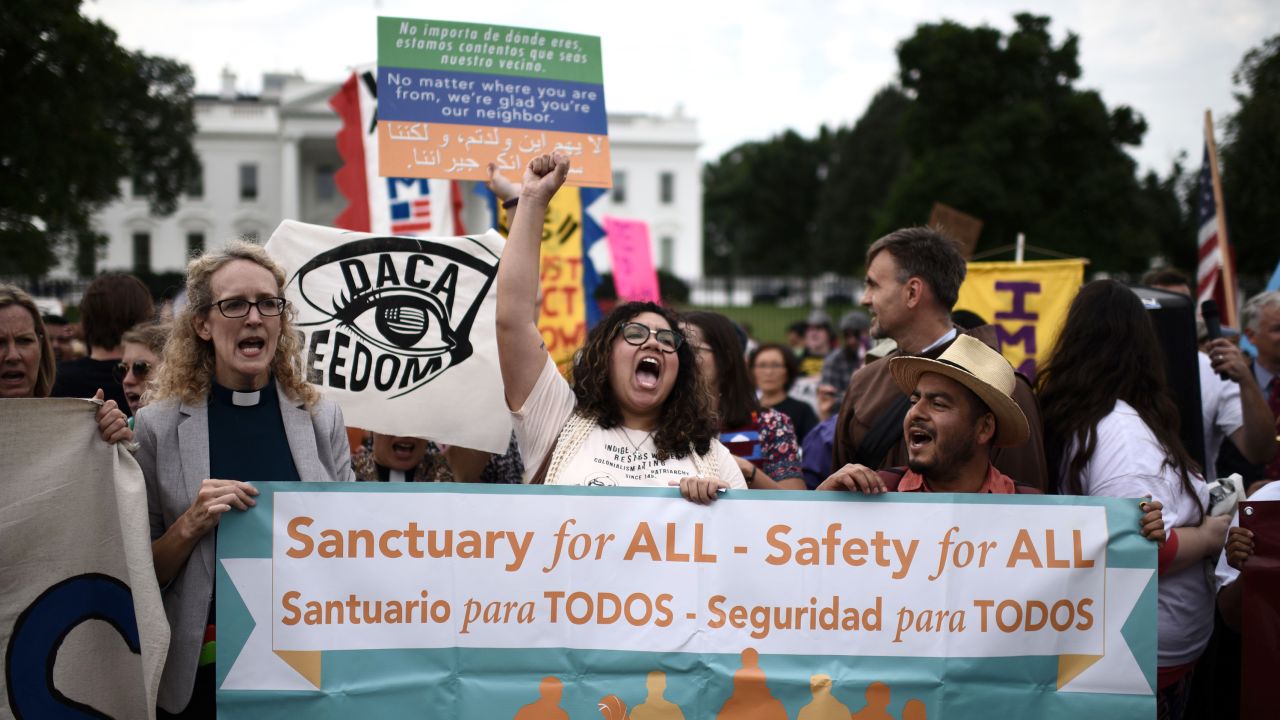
x=913 y=280
x=961 y=407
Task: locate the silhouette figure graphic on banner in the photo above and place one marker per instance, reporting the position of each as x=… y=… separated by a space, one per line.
x=751 y=699
x=655 y=706
x=914 y=710
x=877 y=703
x=824 y=705
x=547 y=706
x=611 y=707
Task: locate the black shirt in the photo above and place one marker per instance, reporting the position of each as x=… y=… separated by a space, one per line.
x=248 y=442
x=81 y=378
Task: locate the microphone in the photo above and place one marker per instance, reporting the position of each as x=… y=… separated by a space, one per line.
x=1213 y=323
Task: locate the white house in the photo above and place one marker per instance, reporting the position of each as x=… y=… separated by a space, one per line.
x=273 y=156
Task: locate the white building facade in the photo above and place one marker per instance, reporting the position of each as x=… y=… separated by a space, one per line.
x=272 y=157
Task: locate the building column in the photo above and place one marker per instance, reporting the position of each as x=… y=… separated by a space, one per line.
x=290 y=186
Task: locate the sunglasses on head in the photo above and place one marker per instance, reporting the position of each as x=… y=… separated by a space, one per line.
x=139 y=368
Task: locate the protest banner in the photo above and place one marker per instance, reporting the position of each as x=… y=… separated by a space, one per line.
x=453 y=97
x=567 y=277
x=380 y=600
x=82 y=627
x=384 y=205
x=1260 y=609
x=400 y=331
x=1026 y=302
x=634 y=276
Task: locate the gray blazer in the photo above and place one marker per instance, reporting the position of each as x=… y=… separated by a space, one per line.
x=173 y=450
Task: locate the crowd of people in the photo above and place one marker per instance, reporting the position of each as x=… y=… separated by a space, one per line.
x=216 y=401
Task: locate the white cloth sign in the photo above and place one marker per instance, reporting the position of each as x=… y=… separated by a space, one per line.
x=400 y=331
x=80 y=615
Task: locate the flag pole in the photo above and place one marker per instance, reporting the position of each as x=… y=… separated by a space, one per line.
x=1228 y=274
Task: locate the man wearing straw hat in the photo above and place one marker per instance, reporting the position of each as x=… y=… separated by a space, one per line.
x=961 y=407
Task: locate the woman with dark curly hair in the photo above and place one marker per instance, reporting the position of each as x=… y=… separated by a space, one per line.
x=1111 y=429
x=761 y=439
x=774 y=370
x=636 y=414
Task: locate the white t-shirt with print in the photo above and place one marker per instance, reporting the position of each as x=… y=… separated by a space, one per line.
x=617 y=457
x=1129 y=463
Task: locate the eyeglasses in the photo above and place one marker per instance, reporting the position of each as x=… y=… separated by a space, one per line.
x=637 y=334
x=239 y=307
x=700 y=348
x=140 y=370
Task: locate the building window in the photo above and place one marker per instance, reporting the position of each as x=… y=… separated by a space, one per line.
x=141 y=252
x=195 y=244
x=249 y=181
x=619 y=194
x=666 y=252
x=667 y=188
x=250 y=235
x=137 y=187
x=326 y=191
x=195 y=186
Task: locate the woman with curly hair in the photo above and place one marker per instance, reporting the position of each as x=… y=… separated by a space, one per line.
x=762 y=440
x=636 y=414
x=1111 y=429
x=230 y=407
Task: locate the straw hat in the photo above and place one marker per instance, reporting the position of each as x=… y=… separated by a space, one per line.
x=972 y=363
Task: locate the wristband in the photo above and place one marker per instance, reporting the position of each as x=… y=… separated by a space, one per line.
x=508 y=204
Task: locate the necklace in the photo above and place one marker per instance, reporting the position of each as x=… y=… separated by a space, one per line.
x=635 y=445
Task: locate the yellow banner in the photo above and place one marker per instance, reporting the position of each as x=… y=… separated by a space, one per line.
x=1026 y=302
x=563 y=315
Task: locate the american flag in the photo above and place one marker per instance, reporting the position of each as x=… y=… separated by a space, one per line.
x=409 y=205
x=1210 y=284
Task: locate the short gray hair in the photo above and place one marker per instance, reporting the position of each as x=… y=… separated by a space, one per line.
x=1253 y=309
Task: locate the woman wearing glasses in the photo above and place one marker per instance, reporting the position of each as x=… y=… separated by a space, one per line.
x=143 y=347
x=230 y=407
x=636 y=414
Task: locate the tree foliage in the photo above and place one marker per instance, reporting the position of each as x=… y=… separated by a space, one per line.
x=987 y=122
x=1251 y=161
x=83 y=114
x=997 y=128
x=760 y=200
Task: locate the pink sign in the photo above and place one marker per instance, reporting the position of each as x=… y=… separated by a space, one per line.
x=633 y=273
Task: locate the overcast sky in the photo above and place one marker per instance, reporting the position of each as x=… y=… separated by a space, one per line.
x=747 y=69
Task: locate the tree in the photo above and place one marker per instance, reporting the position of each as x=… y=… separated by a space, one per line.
x=759 y=203
x=84 y=113
x=996 y=128
x=1251 y=161
x=863 y=163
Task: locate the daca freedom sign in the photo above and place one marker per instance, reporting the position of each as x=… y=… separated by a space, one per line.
x=400 y=330
x=478 y=601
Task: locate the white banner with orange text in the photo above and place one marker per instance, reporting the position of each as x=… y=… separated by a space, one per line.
x=484 y=600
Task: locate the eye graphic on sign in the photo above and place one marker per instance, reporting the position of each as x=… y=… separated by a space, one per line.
x=387 y=315
x=398 y=319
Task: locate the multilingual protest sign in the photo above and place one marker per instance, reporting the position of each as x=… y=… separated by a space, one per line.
x=399 y=331
x=1026 y=302
x=453 y=97
x=378 y=600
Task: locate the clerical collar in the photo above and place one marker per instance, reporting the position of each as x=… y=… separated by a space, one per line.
x=240 y=398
